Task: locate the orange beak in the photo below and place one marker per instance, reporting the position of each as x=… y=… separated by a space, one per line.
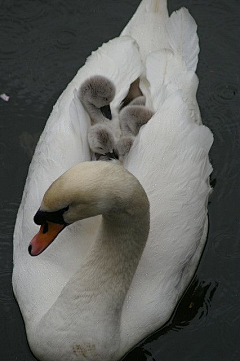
x=46 y=235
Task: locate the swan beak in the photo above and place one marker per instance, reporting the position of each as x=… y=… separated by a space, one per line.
x=106 y=111
x=46 y=235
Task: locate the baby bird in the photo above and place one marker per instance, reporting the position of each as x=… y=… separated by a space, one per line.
x=132 y=117
x=123 y=146
x=141 y=100
x=96 y=94
x=101 y=141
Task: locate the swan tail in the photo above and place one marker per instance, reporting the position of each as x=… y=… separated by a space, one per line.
x=173 y=68
x=182 y=36
x=150 y=15
x=166 y=75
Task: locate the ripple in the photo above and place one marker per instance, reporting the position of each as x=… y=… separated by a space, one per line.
x=194 y=305
x=28 y=142
x=14 y=39
x=65 y=39
x=140 y=354
x=28 y=10
x=224 y=123
x=226 y=246
x=223 y=92
x=6 y=295
x=230 y=332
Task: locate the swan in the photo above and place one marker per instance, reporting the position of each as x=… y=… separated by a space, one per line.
x=169 y=158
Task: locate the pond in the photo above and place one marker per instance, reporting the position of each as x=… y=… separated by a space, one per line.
x=42 y=45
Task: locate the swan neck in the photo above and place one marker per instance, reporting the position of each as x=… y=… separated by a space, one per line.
x=114 y=257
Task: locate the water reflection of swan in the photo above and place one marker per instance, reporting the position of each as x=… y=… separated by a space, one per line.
x=65 y=315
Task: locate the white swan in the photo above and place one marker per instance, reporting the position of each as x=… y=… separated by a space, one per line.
x=170 y=159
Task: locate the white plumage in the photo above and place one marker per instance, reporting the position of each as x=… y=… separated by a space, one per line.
x=170 y=159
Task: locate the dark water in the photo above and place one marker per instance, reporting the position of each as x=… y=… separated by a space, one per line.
x=42 y=45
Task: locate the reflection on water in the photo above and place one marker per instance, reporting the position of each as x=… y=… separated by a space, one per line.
x=42 y=45
x=194 y=304
x=28 y=142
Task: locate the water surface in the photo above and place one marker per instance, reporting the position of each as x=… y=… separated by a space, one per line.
x=42 y=45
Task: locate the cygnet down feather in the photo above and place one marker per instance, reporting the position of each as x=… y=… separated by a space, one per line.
x=96 y=94
x=132 y=118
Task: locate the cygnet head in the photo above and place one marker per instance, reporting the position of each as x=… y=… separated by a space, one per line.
x=141 y=100
x=133 y=117
x=98 y=91
x=101 y=139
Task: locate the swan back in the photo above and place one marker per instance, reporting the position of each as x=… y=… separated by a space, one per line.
x=62 y=145
x=174 y=151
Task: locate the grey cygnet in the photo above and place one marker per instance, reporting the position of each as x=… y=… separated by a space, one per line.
x=96 y=94
x=132 y=117
x=141 y=100
x=101 y=139
x=123 y=146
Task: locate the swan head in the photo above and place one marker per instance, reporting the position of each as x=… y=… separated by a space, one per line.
x=98 y=91
x=86 y=190
x=101 y=139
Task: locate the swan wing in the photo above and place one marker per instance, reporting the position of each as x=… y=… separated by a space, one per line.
x=182 y=37
x=169 y=70
x=63 y=144
x=170 y=159
x=77 y=111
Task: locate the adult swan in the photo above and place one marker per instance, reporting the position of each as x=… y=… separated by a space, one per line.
x=96 y=291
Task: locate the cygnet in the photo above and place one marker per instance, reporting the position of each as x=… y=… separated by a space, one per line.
x=96 y=94
x=101 y=140
x=141 y=100
x=132 y=117
x=123 y=146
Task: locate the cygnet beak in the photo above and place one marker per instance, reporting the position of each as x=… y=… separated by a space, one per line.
x=106 y=111
x=112 y=155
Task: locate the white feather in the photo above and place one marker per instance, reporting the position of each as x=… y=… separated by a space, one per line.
x=179 y=169
x=182 y=37
x=81 y=123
